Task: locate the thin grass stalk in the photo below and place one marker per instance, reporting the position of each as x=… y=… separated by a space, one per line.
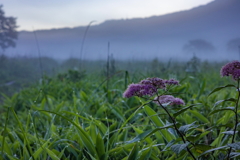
x=236 y=119
x=83 y=40
x=239 y=51
x=108 y=61
x=126 y=79
x=39 y=53
x=105 y=80
x=108 y=137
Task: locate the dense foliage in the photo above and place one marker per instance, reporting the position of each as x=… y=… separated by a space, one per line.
x=80 y=114
x=8 y=30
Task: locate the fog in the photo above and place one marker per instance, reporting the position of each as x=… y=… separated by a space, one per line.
x=211 y=32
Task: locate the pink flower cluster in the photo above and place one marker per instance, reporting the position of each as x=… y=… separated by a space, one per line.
x=231 y=69
x=148 y=87
x=139 y=90
x=169 y=100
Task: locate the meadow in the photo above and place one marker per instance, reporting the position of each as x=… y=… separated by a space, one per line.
x=82 y=111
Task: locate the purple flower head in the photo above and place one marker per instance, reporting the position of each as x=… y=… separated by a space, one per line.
x=178 y=101
x=148 y=87
x=156 y=82
x=236 y=74
x=169 y=100
x=231 y=69
x=164 y=99
x=172 y=82
x=132 y=90
x=139 y=90
x=146 y=81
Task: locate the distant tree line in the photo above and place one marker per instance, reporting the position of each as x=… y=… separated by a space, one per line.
x=8 y=30
x=203 y=46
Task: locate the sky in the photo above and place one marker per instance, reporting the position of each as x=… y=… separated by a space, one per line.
x=47 y=14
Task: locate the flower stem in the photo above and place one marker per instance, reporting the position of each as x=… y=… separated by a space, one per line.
x=176 y=128
x=236 y=119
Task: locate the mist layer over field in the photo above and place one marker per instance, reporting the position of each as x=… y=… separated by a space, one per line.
x=210 y=32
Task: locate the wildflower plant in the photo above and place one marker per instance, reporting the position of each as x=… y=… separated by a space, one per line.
x=229 y=150
x=157 y=90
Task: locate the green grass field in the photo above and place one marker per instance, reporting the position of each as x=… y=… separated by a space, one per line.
x=81 y=114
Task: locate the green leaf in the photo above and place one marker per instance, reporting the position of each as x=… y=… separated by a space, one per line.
x=229 y=132
x=225 y=100
x=223 y=109
x=184 y=109
x=102 y=127
x=71 y=150
x=83 y=96
x=199 y=116
x=129 y=118
x=173 y=157
x=117 y=113
x=235 y=145
x=59 y=106
x=6 y=156
x=177 y=148
x=220 y=88
x=194 y=138
x=169 y=144
x=134 y=152
x=200 y=148
x=158 y=123
x=147 y=133
x=100 y=146
x=62 y=152
x=38 y=152
x=87 y=141
x=92 y=132
x=211 y=150
x=234 y=154
x=146 y=154
x=185 y=128
x=139 y=131
x=202 y=87
x=52 y=155
x=218 y=140
x=120 y=149
x=6 y=148
x=77 y=115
